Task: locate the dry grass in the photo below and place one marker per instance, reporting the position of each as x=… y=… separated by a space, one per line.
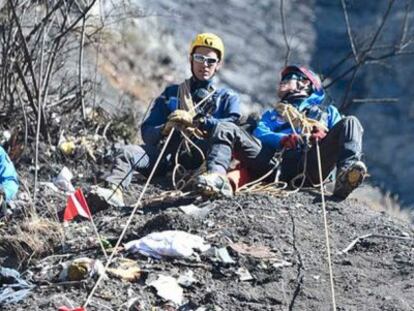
x=32 y=238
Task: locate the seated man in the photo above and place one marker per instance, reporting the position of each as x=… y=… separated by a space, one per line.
x=340 y=140
x=195 y=103
x=8 y=182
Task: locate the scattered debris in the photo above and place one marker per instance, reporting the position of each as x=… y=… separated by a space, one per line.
x=5 y=137
x=351 y=245
x=63 y=180
x=101 y=198
x=244 y=274
x=222 y=255
x=195 y=211
x=167 y=243
x=187 y=279
x=127 y=270
x=261 y=252
x=13 y=288
x=282 y=263
x=167 y=287
x=81 y=268
x=67 y=147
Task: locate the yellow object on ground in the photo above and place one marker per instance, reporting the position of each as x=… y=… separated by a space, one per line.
x=67 y=147
x=127 y=270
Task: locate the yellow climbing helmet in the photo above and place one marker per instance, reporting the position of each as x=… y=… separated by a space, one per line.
x=209 y=40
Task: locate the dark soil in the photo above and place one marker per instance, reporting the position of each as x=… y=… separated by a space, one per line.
x=376 y=274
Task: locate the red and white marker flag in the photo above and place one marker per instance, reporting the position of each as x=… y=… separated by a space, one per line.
x=76 y=205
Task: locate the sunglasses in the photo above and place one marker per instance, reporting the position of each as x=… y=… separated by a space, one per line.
x=294 y=76
x=200 y=58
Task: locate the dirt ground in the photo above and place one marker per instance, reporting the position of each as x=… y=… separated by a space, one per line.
x=375 y=274
x=274 y=246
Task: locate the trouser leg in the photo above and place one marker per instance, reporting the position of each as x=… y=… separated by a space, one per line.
x=228 y=138
x=134 y=158
x=191 y=157
x=291 y=165
x=341 y=147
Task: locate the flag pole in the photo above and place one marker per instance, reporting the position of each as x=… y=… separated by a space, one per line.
x=77 y=205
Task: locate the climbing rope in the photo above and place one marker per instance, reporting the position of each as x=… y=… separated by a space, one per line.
x=258 y=185
x=136 y=206
x=298 y=120
x=179 y=169
x=325 y=220
x=305 y=126
x=188 y=176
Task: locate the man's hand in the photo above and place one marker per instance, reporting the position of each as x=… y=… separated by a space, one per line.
x=167 y=128
x=181 y=117
x=317 y=134
x=290 y=141
x=178 y=119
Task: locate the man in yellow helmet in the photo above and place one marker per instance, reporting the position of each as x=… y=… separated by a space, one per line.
x=195 y=103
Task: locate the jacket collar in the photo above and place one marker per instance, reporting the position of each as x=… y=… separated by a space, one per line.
x=198 y=84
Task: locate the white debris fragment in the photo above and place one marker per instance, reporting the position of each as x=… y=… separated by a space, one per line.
x=167 y=288
x=167 y=243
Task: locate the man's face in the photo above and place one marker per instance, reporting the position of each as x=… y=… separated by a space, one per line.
x=293 y=84
x=205 y=62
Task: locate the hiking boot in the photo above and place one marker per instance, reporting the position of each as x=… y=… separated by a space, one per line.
x=214 y=184
x=349 y=179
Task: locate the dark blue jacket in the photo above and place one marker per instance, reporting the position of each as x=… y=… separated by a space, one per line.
x=223 y=106
x=272 y=127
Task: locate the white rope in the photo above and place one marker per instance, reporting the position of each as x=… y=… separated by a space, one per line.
x=328 y=250
x=303 y=174
x=180 y=184
x=258 y=180
x=137 y=204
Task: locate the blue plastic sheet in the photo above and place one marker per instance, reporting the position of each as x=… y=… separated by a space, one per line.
x=13 y=288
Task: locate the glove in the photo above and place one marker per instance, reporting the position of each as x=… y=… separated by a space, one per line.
x=181 y=117
x=167 y=128
x=317 y=134
x=290 y=141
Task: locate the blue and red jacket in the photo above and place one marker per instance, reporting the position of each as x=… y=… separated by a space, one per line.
x=224 y=105
x=272 y=127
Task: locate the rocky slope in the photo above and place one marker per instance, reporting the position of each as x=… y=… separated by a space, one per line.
x=277 y=257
